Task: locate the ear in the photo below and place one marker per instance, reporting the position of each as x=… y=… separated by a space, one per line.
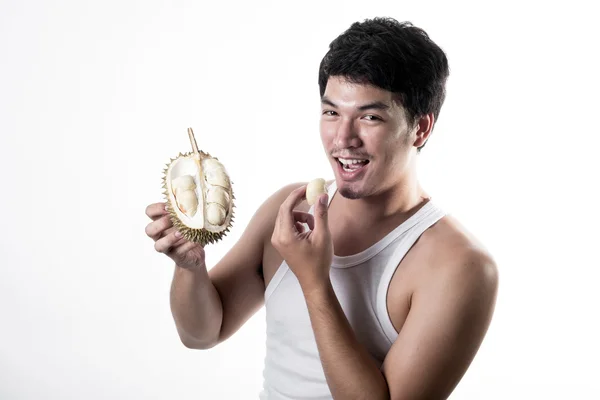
x=423 y=129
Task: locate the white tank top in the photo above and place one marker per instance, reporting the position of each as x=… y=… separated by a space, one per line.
x=292 y=367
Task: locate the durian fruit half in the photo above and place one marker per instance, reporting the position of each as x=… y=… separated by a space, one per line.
x=199 y=195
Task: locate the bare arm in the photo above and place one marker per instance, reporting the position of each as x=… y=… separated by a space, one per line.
x=350 y=371
x=445 y=327
x=209 y=306
x=196 y=307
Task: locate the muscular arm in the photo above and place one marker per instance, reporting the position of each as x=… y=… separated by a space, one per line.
x=444 y=329
x=210 y=306
x=350 y=370
x=196 y=307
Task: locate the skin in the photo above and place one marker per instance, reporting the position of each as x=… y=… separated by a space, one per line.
x=441 y=302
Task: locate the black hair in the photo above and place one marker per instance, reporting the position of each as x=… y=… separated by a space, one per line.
x=395 y=56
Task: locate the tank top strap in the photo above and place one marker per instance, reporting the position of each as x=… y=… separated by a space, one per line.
x=400 y=249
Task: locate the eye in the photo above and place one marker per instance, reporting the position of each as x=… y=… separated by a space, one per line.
x=372 y=118
x=329 y=113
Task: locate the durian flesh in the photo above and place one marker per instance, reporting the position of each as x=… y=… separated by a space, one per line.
x=199 y=197
x=314 y=189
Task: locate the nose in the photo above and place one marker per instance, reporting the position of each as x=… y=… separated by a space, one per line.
x=347 y=135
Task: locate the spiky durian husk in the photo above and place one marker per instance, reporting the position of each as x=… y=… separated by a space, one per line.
x=202 y=236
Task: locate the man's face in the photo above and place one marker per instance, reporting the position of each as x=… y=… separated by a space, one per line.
x=365 y=136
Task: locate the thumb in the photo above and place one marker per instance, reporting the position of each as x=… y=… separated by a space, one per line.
x=321 y=214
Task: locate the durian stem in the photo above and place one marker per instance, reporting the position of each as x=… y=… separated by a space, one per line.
x=193 y=141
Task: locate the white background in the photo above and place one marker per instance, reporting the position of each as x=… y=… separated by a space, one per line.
x=95 y=97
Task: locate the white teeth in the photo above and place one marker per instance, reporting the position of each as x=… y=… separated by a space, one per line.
x=348 y=162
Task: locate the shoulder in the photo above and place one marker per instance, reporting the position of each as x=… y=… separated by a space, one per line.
x=450 y=309
x=275 y=199
x=458 y=261
x=265 y=215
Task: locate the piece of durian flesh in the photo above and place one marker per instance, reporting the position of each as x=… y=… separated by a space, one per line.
x=183 y=183
x=199 y=196
x=314 y=189
x=187 y=201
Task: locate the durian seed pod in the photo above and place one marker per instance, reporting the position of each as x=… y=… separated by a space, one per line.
x=199 y=195
x=183 y=183
x=314 y=189
x=187 y=202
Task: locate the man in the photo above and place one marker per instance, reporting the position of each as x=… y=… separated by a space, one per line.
x=374 y=292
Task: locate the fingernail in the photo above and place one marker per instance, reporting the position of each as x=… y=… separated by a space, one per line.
x=323 y=199
x=177 y=234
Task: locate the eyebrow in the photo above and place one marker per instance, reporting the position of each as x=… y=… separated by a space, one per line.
x=376 y=105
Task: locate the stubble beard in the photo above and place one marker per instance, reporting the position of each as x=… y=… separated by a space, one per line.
x=350 y=193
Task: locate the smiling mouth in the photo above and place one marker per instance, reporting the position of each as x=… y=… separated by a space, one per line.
x=350 y=165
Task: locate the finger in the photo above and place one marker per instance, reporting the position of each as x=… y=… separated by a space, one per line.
x=182 y=241
x=321 y=215
x=299 y=227
x=167 y=231
x=156 y=229
x=156 y=210
x=286 y=217
x=179 y=242
x=165 y=244
x=305 y=218
x=172 y=229
x=182 y=249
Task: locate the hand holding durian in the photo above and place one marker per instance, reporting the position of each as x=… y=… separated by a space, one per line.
x=198 y=208
x=168 y=240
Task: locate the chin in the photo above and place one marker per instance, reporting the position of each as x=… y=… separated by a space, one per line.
x=352 y=190
x=349 y=192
